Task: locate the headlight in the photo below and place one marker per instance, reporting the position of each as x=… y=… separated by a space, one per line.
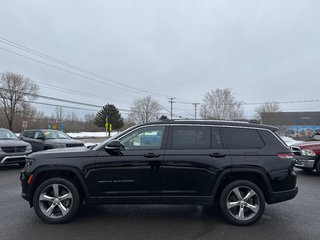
x=29 y=162
x=308 y=152
x=29 y=148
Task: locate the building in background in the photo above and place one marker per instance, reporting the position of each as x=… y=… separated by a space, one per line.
x=299 y=125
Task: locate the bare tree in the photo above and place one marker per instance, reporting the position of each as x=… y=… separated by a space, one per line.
x=144 y=110
x=221 y=104
x=89 y=117
x=59 y=114
x=14 y=90
x=267 y=107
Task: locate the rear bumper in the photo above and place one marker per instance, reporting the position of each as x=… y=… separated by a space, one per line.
x=276 y=197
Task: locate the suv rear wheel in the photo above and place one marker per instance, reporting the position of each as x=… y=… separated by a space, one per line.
x=242 y=202
x=56 y=200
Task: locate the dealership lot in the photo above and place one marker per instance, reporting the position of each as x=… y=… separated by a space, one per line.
x=295 y=219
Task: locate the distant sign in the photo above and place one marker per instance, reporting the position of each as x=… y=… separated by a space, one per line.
x=54 y=126
x=108 y=127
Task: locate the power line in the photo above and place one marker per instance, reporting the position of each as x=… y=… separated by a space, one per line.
x=74 y=67
x=67 y=71
x=285 y=102
x=63 y=100
x=72 y=91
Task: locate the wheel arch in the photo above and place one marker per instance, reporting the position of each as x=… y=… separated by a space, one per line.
x=68 y=173
x=255 y=175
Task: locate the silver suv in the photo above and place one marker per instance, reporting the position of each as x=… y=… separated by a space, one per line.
x=12 y=149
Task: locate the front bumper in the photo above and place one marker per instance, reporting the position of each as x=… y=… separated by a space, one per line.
x=25 y=187
x=13 y=158
x=304 y=162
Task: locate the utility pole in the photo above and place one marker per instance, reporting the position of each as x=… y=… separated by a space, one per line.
x=171 y=103
x=195 y=109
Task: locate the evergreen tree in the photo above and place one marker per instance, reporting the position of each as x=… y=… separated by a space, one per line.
x=111 y=115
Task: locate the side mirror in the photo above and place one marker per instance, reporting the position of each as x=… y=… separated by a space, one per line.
x=113 y=145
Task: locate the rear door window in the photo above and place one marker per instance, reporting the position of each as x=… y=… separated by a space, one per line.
x=242 y=138
x=191 y=137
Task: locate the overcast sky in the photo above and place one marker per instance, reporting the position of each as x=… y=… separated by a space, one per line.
x=263 y=50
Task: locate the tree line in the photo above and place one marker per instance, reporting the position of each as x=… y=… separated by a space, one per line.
x=18 y=92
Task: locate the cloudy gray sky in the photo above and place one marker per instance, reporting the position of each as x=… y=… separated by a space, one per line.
x=264 y=50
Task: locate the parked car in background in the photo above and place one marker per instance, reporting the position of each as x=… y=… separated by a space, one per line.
x=316 y=137
x=238 y=165
x=44 y=139
x=12 y=149
x=307 y=155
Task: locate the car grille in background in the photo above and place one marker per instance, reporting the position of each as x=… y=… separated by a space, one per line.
x=296 y=151
x=14 y=149
x=75 y=145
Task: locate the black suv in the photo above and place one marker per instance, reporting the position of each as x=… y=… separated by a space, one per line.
x=240 y=165
x=44 y=139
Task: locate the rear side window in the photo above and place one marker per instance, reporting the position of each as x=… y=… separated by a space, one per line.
x=271 y=139
x=189 y=137
x=242 y=138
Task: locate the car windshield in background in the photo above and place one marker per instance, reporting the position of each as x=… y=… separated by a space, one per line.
x=7 y=135
x=52 y=134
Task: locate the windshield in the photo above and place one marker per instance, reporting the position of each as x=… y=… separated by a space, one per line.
x=7 y=134
x=53 y=134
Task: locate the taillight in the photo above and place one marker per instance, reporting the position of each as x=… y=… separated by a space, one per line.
x=285 y=155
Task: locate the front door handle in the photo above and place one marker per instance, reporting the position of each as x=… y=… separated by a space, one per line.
x=151 y=155
x=217 y=155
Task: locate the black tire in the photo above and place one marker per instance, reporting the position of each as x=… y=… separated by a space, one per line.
x=236 y=208
x=59 y=197
x=317 y=167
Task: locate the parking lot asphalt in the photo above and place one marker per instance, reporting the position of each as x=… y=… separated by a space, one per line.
x=296 y=219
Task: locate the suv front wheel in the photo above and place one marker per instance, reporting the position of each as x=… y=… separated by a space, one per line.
x=242 y=202
x=56 y=200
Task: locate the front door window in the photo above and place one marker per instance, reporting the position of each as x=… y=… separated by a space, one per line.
x=143 y=139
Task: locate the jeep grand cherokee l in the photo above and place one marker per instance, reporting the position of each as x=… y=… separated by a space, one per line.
x=44 y=139
x=241 y=166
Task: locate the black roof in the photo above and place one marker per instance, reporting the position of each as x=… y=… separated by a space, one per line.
x=214 y=122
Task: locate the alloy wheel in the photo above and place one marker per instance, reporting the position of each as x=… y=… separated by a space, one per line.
x=243 y=203
x=55 y=201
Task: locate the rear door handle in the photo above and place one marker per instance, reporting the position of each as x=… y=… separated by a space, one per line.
x=151 y=155
x=217 y=155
